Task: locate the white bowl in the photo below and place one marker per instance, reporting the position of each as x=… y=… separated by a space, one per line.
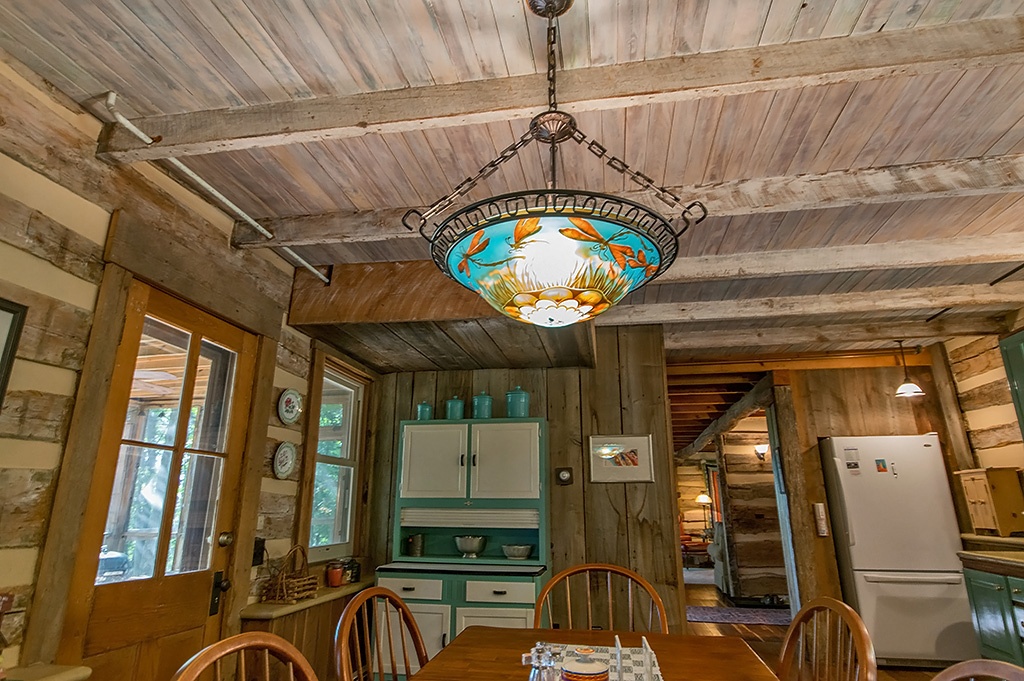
x=517 y=551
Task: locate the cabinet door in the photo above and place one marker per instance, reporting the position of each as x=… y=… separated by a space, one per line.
x=434 y=461
x=993 y=616
x=434 y=622
x=508 y=618
x=505 y=461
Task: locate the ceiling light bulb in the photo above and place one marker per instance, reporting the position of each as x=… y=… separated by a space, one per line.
x=703 y=498
x=909 y=389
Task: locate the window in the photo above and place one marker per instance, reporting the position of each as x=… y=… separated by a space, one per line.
x=337 y=432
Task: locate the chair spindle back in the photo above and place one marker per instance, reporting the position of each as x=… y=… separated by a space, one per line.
x=259 y=653
x=373 y=625
x=827 y=641
x=607 y=596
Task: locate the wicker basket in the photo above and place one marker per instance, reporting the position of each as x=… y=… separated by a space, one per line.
x=291 y=587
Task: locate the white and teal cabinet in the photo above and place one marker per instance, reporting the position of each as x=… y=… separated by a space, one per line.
x=469 y=477
x=476 y=478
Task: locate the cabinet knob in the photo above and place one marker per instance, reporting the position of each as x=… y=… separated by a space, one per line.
x=412 y=588
x=999 y=588
x=1016 y=591
x=499 y=592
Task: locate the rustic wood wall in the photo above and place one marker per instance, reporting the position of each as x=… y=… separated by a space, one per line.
x=628 y=524
x=689 y=483
x=56 y=202
x=751 y=516
x=851 y=402
x=983 y=392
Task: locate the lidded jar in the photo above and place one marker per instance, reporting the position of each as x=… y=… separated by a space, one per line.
x=517 y=403
x=454 y=408
x=482 y=406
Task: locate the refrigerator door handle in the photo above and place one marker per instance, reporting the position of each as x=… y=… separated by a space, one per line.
x=888 y=578
x=847 y=525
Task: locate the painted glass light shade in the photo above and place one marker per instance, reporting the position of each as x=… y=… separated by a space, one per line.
x=554 y=258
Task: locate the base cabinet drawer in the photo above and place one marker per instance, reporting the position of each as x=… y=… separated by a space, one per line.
x=418 y=589
x=500 y=592
x=509 y=618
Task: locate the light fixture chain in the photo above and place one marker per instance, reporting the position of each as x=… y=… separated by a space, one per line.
x=691 y=213
x=552 y=44
x=414 y=219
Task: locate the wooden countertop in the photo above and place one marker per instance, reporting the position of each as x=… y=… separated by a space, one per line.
x=1009 y=563
x=271 y=611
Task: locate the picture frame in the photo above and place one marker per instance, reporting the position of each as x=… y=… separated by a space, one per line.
x=12 y=321
x=621 y=458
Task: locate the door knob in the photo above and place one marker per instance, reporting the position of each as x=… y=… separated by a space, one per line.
x=225 y=539
x=224 y=585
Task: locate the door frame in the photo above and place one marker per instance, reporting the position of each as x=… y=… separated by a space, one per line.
x=59 y=636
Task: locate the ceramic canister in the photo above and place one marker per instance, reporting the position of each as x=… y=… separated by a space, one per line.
x=517 y=403
x=454 y=408
x=482 y=406
x=424 y=411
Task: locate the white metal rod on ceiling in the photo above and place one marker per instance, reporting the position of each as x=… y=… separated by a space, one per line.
x=206 y=186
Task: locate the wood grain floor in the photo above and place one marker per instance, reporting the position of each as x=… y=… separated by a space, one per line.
x=766 y=639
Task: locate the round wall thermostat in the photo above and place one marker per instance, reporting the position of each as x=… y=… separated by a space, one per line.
x=284 y=460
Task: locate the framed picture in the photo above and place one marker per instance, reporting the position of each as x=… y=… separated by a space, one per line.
x=621 y=458
x=12 y=318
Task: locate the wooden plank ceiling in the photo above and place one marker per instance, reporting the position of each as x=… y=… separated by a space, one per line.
x=862 y=160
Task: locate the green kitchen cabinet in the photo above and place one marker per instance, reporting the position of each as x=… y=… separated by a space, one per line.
x=993 y=611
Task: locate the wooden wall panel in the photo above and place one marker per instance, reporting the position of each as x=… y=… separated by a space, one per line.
x=985 y=404
x=632 y=525
x=842 y=402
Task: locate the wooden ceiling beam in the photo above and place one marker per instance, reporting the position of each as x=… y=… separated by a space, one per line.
x=758 y=398
x=869 y=56
x=677 y=338
x=877 y=358
x=890 y=300
x=893 y=184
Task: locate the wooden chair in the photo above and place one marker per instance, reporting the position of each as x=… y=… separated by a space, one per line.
x=599 y=577
x=827 y=640
x=373 y=624
x=255 y=650
x=981 y=669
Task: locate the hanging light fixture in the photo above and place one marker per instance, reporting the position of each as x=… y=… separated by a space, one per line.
x=908 y=388
x=760 y=451
x=551 y=256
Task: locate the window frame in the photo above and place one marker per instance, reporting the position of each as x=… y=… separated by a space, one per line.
x=324 y=360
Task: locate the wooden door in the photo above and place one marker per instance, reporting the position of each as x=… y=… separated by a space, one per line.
x=163 y=493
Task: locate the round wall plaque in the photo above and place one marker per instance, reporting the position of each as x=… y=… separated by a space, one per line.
x=289 y=406
x=284 y=460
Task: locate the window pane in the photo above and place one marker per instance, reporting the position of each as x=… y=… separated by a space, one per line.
x=156 y=385
x=133 y=520
x=336 y=407
x=195 y=513
x=332 y=503
x=211 y=398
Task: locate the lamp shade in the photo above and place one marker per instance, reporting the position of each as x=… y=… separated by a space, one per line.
x=554 y=258
x=909 y=389
x=703 y=498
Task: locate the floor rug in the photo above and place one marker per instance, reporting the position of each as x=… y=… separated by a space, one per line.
x=703 y=613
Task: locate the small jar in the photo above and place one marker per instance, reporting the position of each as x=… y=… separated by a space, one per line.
x=482 y=406
x=517 y=403
x=352 y=571
x=424 y=411
x=454 y=408
x=334 y=573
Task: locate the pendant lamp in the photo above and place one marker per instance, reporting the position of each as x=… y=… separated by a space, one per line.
x=908 y=388
x=553 y=257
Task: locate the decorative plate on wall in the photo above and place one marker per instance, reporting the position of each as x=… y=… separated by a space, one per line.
x=284 y=460
x=289 y=406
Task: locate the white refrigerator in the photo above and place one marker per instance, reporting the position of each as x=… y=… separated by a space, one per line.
x=896 y=539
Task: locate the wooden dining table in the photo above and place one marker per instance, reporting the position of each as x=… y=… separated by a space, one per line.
x=496 y=654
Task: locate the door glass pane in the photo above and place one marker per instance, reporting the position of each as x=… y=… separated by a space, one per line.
x=332 y=502
x=211 y=398
x=156 y=384
x=195 y=513
x=133 y=521
x=335 y=417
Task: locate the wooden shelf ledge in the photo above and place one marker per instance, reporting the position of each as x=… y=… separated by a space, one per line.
x=1017 y=542
x=272 y=611
x=48 y=672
